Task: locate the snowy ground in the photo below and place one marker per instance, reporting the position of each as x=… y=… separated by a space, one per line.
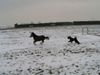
x=18 y=55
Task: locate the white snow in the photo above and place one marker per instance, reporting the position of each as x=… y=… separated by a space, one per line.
x=18 y=55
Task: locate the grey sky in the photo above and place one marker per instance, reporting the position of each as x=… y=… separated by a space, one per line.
x=26 y=11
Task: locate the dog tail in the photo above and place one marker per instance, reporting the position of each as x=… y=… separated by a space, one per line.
x=47 y=38
x=76 y=40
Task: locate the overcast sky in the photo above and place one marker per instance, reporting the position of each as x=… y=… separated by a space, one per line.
x=27 y=11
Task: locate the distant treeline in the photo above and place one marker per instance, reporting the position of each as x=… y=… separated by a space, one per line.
x=86 y=22
x=56 y=24
x=42 y=24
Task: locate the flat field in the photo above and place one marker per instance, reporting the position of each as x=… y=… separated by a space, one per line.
x=19 y=56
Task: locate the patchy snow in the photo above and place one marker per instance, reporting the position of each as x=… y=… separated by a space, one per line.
x=18 y=55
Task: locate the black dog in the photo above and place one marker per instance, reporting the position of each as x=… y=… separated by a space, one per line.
x=73 y=39
x=38 y=37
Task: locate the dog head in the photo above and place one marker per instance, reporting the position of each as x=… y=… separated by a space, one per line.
x=69 y=37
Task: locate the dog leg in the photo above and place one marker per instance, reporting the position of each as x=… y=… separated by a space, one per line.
x=42 y=42
x=34 y=42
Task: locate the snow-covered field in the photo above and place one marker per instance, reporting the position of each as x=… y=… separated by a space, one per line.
x=18 y=55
